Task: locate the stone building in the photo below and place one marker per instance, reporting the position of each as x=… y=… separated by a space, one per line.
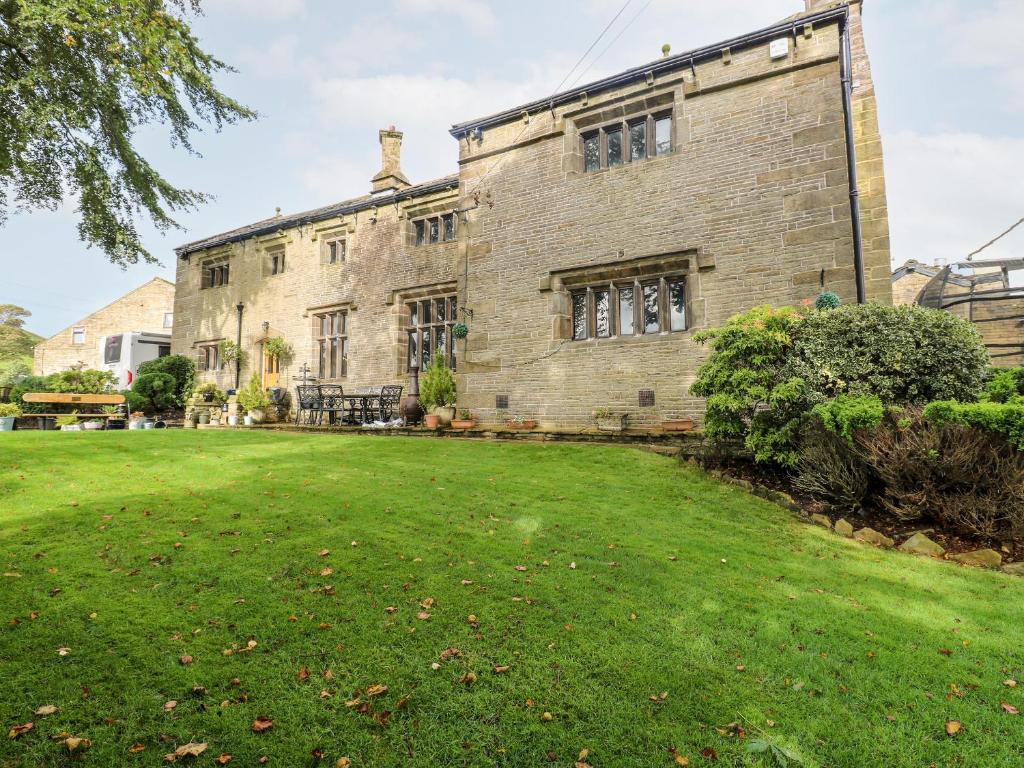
x=149 y=307
x=583 y=239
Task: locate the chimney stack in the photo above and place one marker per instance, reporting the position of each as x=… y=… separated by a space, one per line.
x=390 y=176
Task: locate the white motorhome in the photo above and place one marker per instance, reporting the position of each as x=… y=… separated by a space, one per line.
x=124 y=352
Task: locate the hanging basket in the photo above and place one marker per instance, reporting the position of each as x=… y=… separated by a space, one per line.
x=460 y=330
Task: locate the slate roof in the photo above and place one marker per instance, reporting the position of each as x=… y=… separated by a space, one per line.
x=266 y=226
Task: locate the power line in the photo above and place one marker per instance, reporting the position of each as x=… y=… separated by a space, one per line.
x=614 y=40
x=972 y=254
x=604 y=31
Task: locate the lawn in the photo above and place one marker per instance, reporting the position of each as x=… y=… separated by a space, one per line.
x=659 y=616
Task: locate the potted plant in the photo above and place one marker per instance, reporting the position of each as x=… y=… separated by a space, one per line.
x=9 y=412
x=277 y=349
x=520 y=422
x=204 y=418
x=465 y=421
x=68 y=422
x=253 y=399
x=437 y=394
x=229 y=352
x=609 y=421
x=210 y=393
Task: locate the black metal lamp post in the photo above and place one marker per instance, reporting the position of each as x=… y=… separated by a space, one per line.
x=238 y=360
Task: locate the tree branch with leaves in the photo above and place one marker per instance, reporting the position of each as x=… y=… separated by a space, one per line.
x=78 y=78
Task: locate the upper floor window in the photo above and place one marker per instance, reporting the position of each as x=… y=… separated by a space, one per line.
x=275 y=261
x=435 y=229
x=215 y=274
x=168 y=319
x=209 y=357
x=78 y=335
x=334 y=251
x=629 y=308
x=627 y=141
x=430 y=331
x=331 y=337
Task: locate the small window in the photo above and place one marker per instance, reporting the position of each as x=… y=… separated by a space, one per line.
x=652 y=322
x=602 y=316
x=215 y=275
x=78 y=335
x=638 y=141
x=592 y=152
x=433 y=227
x=168 y=319
x=677 y=305
x=208 y=358
x=626 y=311
x=335 y=251
x=448 y=221
x=614 y=147
x=421 y=229
x=579 y=315
x=275 y=262
x=663 y=135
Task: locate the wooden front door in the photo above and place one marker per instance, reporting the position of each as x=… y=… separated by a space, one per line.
x=271 y=371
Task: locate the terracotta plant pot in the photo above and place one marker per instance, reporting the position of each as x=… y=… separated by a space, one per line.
x=463 y=423
x=432 y=420
x=677 y=425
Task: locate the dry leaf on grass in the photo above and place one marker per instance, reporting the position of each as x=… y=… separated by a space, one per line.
x=422 y=615
x=137 y=747
x=501 y=669
x=46 y=709
x=376 y=690
x=192 y=749
x=343 y=762
x=953 y=727
x=1007 y=707
x=303 y=674
x=223 y=758
x=261 y=724
x=75 y=744
x=17 y=730
x=169 y=705
x=185 y=660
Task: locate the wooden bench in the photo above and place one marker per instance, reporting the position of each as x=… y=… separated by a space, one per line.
x=72 y=398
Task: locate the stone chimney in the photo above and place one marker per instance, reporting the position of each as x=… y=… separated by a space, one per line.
x=390 y=176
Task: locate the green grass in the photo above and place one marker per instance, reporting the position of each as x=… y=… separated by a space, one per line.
x=678 y=581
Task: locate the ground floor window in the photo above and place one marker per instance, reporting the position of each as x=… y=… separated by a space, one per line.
x=629 y=308
x=209 y=357
x=429 y=331
x=331 y=329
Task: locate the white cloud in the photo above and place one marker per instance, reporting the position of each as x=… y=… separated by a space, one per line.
x=474 y=13
x=949 y=193
x=260 y=10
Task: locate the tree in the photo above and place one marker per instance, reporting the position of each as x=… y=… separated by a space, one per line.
x=15 y=341
x=77 y=79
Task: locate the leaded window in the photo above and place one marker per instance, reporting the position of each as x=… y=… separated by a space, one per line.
x=215 y=274
x=629 y=308
x=331 y=330
x=436 y=229
x=429 y=331
x=209 y=357
x=607 y=146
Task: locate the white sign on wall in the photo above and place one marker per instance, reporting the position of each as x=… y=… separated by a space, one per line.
x=779 y=49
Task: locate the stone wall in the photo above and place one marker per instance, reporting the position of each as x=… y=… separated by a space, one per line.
x=140 y=310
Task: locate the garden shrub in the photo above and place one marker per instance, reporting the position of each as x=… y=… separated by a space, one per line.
x=1002 y=418
x=437 y=386
x=252 y=396
x=847 y=414
x=749 y=396
x=134 y=402
x=157 y=389
x=181 y=367
x=964 y=479
x=827 y=300
x=31 y=384
x=87 y=381
x=833 y=469
x=1004 y=385
x=905 y=355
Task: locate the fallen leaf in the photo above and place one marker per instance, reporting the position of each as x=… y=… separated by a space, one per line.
x=75 y=744
x=708 y=753
x=952 y=727
x=317 y=753
x=1010 y=683
x=468 y=678
x=427 y=603
x=1007 y=707
x=185 y=660
x=466 y=582
x=324 y=552
x=448 y=653
x=376 y=690
x=46 y=709
x=17 y=730
x=501 y=668
x=343 y=762
x=303 y=674
x=945 y=651
x=422 y=615
x=547 y=717
x=326 y=571
x=391 y=609
x=435 y=666
x=192 y=749
x=169 y=705
x=137 y=747
x=62 y=651
x=223 y=758
x=261 y=724
x=520 y=567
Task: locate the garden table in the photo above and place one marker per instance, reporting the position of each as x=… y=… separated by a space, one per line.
x=364 y=400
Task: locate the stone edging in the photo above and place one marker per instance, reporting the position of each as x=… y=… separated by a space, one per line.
x=917 y=543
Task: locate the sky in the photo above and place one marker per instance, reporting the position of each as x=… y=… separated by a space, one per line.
x=326 y=76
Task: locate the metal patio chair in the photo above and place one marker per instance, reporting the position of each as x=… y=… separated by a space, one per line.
x=333 y=399
x=308 y=404
x=390 y=398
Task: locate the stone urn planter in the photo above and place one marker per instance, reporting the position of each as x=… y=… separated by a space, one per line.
x=610 y=422
x=444 y=414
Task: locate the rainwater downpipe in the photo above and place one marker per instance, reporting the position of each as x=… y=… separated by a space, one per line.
x=846 y=70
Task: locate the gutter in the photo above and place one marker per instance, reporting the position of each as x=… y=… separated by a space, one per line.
x=846 y=67
x=679 y=61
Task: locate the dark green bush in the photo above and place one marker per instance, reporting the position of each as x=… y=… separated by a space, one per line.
x=1004 y=419
x=1004 y=384
x=157 y=389
x=905 y=355
x=181 y=367
x=847 y=414
x=134 y=402
x=31 y=384
x=827 y=300
x=749 y=396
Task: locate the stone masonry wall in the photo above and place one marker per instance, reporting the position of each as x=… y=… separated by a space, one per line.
x=140 y=310
x=753 y=200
